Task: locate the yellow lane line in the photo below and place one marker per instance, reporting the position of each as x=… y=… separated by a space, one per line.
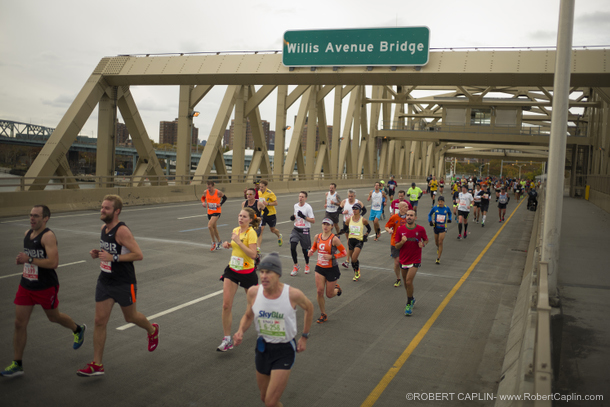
x=387 y=378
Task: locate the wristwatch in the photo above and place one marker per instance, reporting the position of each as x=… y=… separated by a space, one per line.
x=30 y=260
x=115 y=258
x=305 y=335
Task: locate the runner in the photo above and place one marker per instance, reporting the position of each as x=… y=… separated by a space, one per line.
x=438 y=217
x=428 y=179
x=213 y=200
x=356 y=238
x=455 y=198
x=268 y=198
x=477 y=202
x=376 y=207
x=240 y=271
x=258 y=207
x=503 y=200
x=116 y=282
x=332 y=205
x=39 y=285
x=392 y=187
x=383 y=200
x=401 y=198
x=329 y=249
x=465 y=201
x=273 y=304
x=414 y=193
x=303 y=218
x=441 y=185
x=395 y=221
x=433 y=186
x=347 y=205
x=484 y=203
x=410 y=239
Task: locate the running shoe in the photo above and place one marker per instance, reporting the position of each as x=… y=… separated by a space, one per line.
x=502 y=219
x=356 y=275
x=438 y=261
x=465 y=235
x=307 y=269
x=13 y=370
x=409 y=308
x=79 y=338
x=397 y=283
x=280 y=241
x=339 y=290
x=482 y=224
x=218 y=246
x=345 y=264
x=295 y=270
x=323 y=318
x=153 y=339
x=92 y=369
x=225 y=345
x=459 y=237
x=213 y=246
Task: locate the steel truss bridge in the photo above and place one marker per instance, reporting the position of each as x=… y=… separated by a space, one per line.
x=463 y=103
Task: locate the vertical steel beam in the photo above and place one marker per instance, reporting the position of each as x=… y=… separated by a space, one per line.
x=295 y=151
x=106 y=132
x=280 y=131
x=185 y=131
x=239 y=136
x=557 y=146
x=312 y=130
x=337 y=112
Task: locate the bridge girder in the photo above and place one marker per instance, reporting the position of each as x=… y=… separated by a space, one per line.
x=467 y=78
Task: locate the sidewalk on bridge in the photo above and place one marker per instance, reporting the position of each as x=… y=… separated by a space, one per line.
x=581 y=332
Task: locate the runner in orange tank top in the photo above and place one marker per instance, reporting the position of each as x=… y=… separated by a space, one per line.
x=329 y=249
x=212 y=200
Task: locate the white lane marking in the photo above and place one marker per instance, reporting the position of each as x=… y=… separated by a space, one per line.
x=186 y=304
x=61 y=265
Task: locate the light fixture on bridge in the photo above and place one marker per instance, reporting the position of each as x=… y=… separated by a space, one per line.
x=287 y=128
x=194 y=114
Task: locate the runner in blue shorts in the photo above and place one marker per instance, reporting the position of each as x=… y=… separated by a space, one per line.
x=376 y=196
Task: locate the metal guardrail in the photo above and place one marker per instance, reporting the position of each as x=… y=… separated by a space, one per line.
x=93 y=181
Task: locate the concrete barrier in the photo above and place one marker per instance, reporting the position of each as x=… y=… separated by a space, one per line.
x=18 y=203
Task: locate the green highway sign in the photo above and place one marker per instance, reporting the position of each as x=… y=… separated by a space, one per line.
x=365 y=47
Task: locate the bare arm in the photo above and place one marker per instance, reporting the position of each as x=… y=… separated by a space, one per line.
x=125 y=238
x=49 y=242
x=298 y=298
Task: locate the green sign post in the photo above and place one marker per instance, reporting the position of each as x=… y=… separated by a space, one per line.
x=364 y=47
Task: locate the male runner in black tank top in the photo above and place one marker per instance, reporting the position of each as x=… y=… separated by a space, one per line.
x=116 y=283
x=39 y=285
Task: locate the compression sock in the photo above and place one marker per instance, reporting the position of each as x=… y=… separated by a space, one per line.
x=460 y=228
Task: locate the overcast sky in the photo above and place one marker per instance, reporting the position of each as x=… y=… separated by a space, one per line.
x=48 y=49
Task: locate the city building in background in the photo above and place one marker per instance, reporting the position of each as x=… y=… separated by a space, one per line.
x=168 y=133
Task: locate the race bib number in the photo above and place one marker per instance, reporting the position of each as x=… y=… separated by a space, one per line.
x=30 y=271
x=322 y=261
x=407 y=266
x=485 y=196
x=272 y=327
x=414 y=197
x=355 y=230
x=212 y=206
x=463 y=202
x=376 y=207
x=300 y=222
x=440 y=218
x=106 y=266
x=236 y=263
x=502 y=199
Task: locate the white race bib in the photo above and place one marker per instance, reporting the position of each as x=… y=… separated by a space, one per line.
x=106 y=266
x=440 y=218
x=322 y=261
x=30 y=271
x=236 y=263
x=355 y=230
x=272 y=327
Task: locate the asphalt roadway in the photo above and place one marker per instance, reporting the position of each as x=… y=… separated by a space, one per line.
x=367 y=353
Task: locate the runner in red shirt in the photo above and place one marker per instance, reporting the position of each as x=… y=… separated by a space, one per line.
x=410 y=239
